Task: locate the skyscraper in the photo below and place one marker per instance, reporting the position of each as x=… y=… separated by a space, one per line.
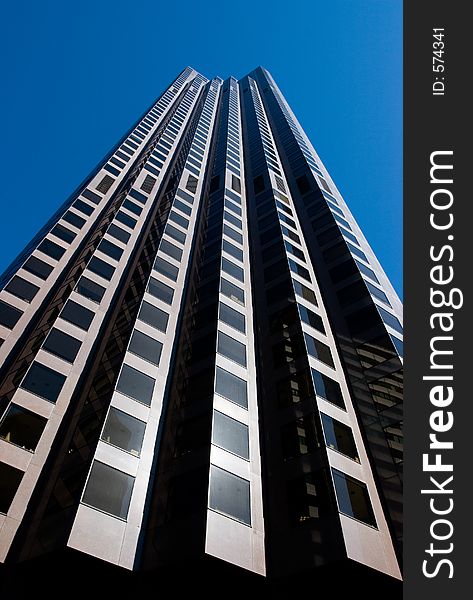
x=201 y=357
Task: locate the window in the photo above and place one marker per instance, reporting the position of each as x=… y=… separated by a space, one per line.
x=173 y=232
x=105 y=184
x=9 y=315
x=10 y=479
x=92 y=196
x=398 y=344
x=148 y=184
x=138 y=195
x=232 y=234
x=230 y=435
x=300 y=270
x=51 y=249
x=165 y=268
x=179 y=219
x=145 y=346
x=37 y=267
x=232 y=219
x=232 y=269
x=74 y=219
x=231 y=387
x=390 y=320
x=22 y=427
x=232 y=317
x=294 y=250
x=61 y=344
x=311 y=318
x=236 y=184
x=132 y=207
x=64 y=234
x=327 y=388
x=109 y=490
x=43 y=381
x=110 y=249
x=182 y=207
x=21 y=288
x=339 y=437
x=125 y=219
x=230 y=495
x=83 y=207
x=191 y=184
x=377 y=293
x=170 y=249
x=77 y=315
x=232 y=250
x=160 y=290
x=231 y=348
x=100 y=267
x=118 y=233
x=353 y=498
x=319 y=350
x=154 y=316
x=124 y=431
x=89 y=289
x=232 y=291
x=136 y=385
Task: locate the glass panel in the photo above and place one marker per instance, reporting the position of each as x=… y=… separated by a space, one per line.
x=109 y=490
x=135 y=384
x=51 y=249
x=77 y=315
x=43 y=381
x=61 y=344
x=160 y=290
x=311 y=318
x=231 y=233
x=10 y=479
x=230 y=495
x=339 y=437
x=146 y=347
x=231 y=348
x=118 y=233
x=319 y=350
x=232 y=291
x=100 y=267
x=90 y=289
x=124 y=431
x=165 y=268
x=63 y=233
x=74 y=219
x=110 y=249
x=232 y=269
x=154 y=316
x=232 y=317
x=9 y=315
x=37 y=267
x=230 y=435
x=22 y=427
x=232 y=250
x=353 y=498
x=231 y=387
x=304 y=292
x=21 y=288
x=171 y=250
x=327 y=388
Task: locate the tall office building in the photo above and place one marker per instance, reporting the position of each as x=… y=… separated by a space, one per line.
x=201 y=362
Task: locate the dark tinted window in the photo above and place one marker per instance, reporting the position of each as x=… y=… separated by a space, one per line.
x=92 y=196
x=10 y=479
x=327 y=388
x=51 y=249
x=37 y=267
x=100 y=267
x=230 y=435
x=90 y=289
x=118 y=233
x=132 y=207
x=135 y=384
x=339 y=437
x=175 y=233
x=43 y=381
x=232 y=269
x=22 y=427
x=319 y=350
x=74 y=219
x=231 y=387
x=9 y=315
x=231 y=233
x=124 y=431
x=232 y=250
x=160 y=290
x=110 y=249
x=230 y=495
x=125 y=219
x=165 y=268
x=145 y=346
x=61 y=344
x=171 y=250
x=83 y=207
x=311 y=318
x=77 y=315
x=231 y=348
x=63 y=233
x=21 y=288
x=109 y=490
x=232 y=291
x=232 y=317
x=390 y=319
x=353 y=498
x=154 y=316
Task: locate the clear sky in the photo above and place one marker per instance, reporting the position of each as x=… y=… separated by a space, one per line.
x=76 y=75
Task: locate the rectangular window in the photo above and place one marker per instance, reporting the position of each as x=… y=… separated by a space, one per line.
x=125 y=219
x=73 y=219
x=230 y=434
x=22 y=427
x=109 y=490
x=366 y=271
x=118 y=233
x=160 y=290
x=232 y=250
x=182 y=207
x=236 y=184
x=10 y=479
x=377 y=293
x=132 y=207
x=304 y=292
x=43 y=382
x=339 y=436
x=9 y=315
x=106 y=183
x=64 y=234
x=231 y=387
x=51 y=249
x=327 y=388
x=83 y=207
x=170 y=249
x=136 y=385
x=232 y=234
x=232 y=349
x=299 y=269
x=146 y=347
x=390 y=319
x=232 y=219
x=175 y=233
x=77 y=315
x=21 y=288
x=138 y=195
x=148 y=184
x=232 y=269
x=89 y=289
x=154 y=316
x=37 y=267
x=92 y=196
x=61 y=344
x=353 y=498
x=311 y=318
x=191 y=184
x=177 y=218
x=319 y=350
x=165 y=268
x=232 y=317
x=123 y=431
x=230 y=495
x=110 y=249
x=232 y=291
x=100 y=267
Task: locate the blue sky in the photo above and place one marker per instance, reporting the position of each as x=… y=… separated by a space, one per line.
x=77 y=75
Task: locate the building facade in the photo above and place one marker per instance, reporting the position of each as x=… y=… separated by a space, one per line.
x=201 y=357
